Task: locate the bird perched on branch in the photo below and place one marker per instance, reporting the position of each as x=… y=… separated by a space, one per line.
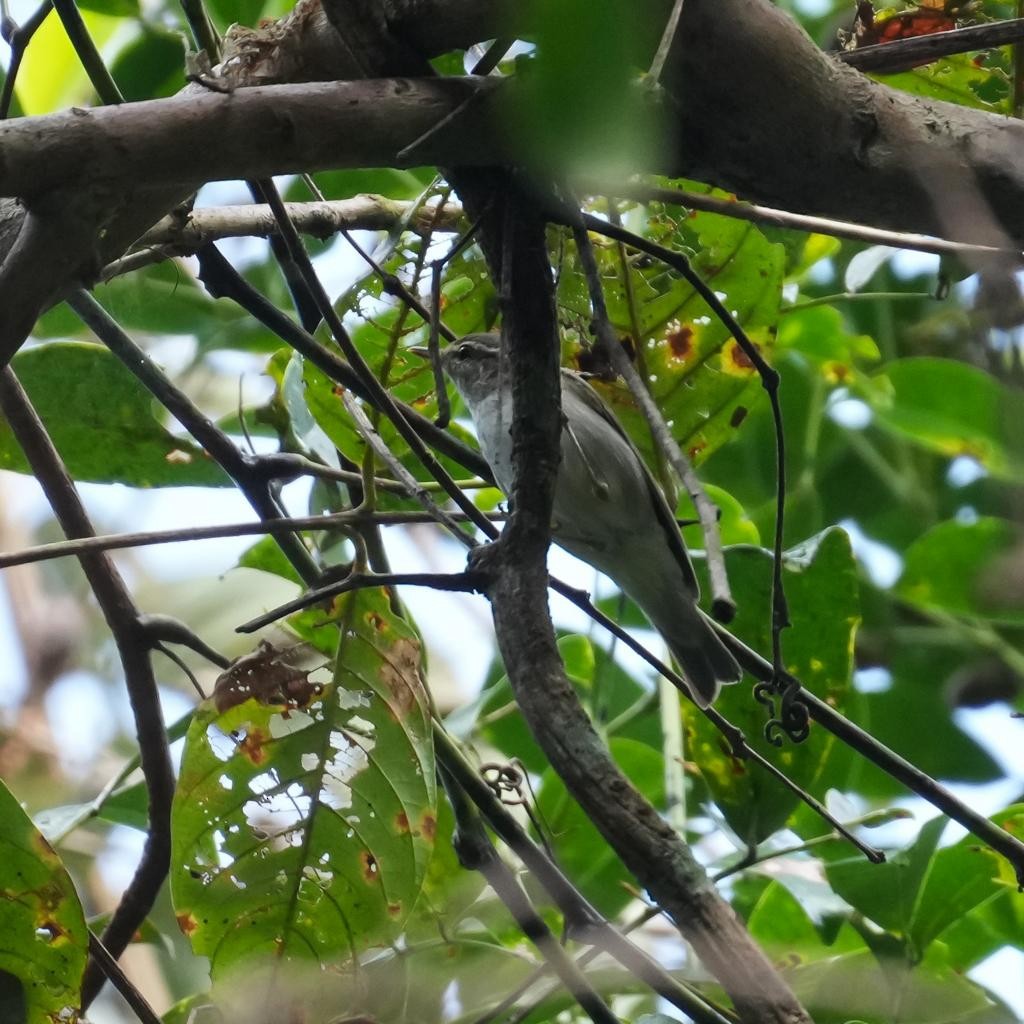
x=608 y=509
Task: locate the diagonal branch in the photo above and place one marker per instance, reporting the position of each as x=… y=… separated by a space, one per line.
x=134 y=650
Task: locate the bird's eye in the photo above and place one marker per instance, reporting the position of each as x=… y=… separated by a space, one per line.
x=461 y=354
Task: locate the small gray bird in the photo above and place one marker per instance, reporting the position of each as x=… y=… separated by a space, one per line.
x=608 y=510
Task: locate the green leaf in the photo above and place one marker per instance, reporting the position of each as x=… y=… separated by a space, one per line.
x=936 y=745
x=962 y=877
x=854 y=987
x=579 y=848
x=51 y=76
x=888 y=893
x=952 y=408
x=151 y=66
x=267 y=556
x=102 y=422
x=701 y=381
x=959 y=79
x=601 y=683
x=117 y=8
x=579 y=107
x=780 y=924
x=304 y=834
x=44 y=942
x=820 y=580
x=965 y=569
x=820 y=334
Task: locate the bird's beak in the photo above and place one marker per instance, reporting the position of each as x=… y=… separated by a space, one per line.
x=419 y=350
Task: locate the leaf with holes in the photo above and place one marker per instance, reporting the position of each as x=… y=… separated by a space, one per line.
x=304 y=824
x=702 y=381
x=43 y=938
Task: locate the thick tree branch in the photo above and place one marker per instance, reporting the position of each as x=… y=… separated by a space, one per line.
x=517 y=582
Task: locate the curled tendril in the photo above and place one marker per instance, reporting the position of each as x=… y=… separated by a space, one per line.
x=506 y=781
x=793 y=717
x=794 y=713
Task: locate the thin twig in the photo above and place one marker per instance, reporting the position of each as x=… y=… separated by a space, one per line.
x=319 y=218
x=112 y=969
x=462 y=582
x=18 y=38
x=211 y=437
x=667 y=38
x=381 y=399
x=204 y=35
x=476 y=852
x=756 y=214
x=750 y=858
x=144 y=538
x=221 y=279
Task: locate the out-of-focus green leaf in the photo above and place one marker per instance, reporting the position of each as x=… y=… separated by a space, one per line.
x=244 y=12
x=392 y=182
x=854 y=987
x=151 y=66
x=821 y=590
x=780 y=924
x=580 y=108
x=44 y=942
x=601 y=683
x=303 y=834
x=935 y=745
x=51 y=75
x=954 y=409
x=102 y=421
x=579 y=848
x=967 y=569
x=819 y=334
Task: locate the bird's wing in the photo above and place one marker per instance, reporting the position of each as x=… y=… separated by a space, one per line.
x=597 y=404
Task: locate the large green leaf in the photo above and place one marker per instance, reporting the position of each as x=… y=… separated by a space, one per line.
x=888 y=893
x=954 y=409
x=855 y=987
x=305 y=833
x=44 y=942
x=922 y=891
x=965 y=569
x=964 y=877
x=821 y=589
x=102 y=422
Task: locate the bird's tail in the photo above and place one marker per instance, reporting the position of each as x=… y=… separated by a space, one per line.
x=705 y=662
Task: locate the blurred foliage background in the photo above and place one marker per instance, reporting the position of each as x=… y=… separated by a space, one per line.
x=901 y=395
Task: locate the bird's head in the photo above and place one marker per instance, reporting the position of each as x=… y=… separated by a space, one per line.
x=473 y=365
